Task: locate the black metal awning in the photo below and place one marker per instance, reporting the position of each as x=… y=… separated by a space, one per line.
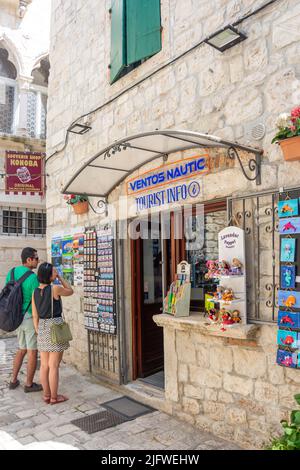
x=108 y=168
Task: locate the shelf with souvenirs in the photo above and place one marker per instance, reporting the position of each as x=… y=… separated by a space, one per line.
x=288 y=336
x=177 y=301
x=227 y=305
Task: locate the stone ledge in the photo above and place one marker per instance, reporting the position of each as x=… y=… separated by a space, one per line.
x=196 y=322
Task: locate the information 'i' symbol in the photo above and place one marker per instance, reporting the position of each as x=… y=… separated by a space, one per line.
x=194 y=189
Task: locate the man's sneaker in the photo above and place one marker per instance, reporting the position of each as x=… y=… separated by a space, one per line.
x=34 y=388
x=14 y=385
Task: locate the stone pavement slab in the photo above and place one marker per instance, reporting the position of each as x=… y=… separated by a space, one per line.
x=26 y=422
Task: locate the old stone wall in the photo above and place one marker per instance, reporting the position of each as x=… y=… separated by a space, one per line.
x=231 y=387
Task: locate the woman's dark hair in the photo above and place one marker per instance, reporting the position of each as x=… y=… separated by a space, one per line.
x=44 y=273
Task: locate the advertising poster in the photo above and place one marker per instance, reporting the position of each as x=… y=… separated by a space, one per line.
x=78 y=247
x=67 y=258
x=56 y=255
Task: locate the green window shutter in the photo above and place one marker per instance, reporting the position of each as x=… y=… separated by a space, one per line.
x=143 y=27
x=118 y=40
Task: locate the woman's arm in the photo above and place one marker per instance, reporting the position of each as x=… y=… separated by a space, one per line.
x=65 y=290
x=35 y=316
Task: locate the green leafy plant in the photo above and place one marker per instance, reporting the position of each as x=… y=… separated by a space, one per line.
x=72 y=199
x=288 y=125
x=290 y=440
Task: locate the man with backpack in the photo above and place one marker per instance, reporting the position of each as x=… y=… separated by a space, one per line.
x=26 y=333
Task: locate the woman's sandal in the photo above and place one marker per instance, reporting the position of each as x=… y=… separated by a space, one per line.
x=46 y=399
x=58 y=399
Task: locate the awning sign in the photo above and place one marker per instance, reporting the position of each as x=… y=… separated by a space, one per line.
x=24 y=173
x=169 y=174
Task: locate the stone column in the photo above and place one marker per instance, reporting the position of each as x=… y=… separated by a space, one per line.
x=23 y=86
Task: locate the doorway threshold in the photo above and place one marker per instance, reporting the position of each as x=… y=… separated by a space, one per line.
x=156 y=380
x=147 y=394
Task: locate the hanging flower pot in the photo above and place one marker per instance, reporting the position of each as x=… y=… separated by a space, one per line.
x=81 y=207
x=291 y=148
x=288 y=135
x=80 y=204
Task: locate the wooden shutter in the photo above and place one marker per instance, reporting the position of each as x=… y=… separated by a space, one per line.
x=143 y=27
x=118 y=39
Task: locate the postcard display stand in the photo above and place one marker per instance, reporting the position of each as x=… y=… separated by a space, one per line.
x=177 y=302
x=232 y=245
x=99 y=281
x=288 y=337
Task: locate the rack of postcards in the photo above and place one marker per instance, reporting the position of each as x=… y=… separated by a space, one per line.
x=288 y=338
x=90 y=280
x=106 y=309
x=99 y=280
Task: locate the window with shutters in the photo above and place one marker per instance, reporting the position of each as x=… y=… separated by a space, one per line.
x=135 y=34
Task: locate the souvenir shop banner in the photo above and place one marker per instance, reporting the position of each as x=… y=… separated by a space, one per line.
x=288 y=337
x=24 y=173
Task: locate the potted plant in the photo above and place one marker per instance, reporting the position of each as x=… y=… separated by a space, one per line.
x=288 y=135
x=80 y=204
x=290 y=440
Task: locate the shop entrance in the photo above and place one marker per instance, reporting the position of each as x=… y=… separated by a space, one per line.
x=155 y=255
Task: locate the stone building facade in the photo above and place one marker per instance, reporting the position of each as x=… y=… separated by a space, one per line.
x=24 y=70
x=228 y=383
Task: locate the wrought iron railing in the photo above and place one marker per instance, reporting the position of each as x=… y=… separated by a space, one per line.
x=103 y=354
x=257 y=214
x=22 y=222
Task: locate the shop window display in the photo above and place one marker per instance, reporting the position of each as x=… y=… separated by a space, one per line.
x=202 y=284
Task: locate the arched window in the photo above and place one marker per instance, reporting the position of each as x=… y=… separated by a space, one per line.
x=37 y=101
x=8 y=75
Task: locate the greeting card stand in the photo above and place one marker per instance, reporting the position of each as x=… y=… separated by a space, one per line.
x=177 y=302
x=231 y=246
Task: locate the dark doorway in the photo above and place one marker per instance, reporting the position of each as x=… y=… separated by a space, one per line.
x=154 y=257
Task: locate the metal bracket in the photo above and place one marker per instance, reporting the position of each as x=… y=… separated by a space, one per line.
x=102 y=206
x=116 y=148
x=254 y=165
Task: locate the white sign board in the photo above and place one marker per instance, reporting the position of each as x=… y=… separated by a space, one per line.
x=232 y=244
x=184 y=268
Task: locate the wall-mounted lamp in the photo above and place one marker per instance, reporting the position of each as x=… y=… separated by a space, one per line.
x=79 y=129
x=225 y=38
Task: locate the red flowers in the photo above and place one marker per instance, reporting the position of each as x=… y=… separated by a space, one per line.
x=288 y=125
x=295 y=114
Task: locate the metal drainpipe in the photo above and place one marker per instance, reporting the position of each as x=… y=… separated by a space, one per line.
x=119 y=252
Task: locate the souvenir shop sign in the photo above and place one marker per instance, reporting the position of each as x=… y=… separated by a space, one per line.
x=169 y=174
x=25 y=173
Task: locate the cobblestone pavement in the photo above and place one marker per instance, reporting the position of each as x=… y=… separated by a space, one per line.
x=26 y=422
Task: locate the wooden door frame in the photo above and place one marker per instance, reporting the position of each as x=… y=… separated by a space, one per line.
x=178 y=253
x=135 y=247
